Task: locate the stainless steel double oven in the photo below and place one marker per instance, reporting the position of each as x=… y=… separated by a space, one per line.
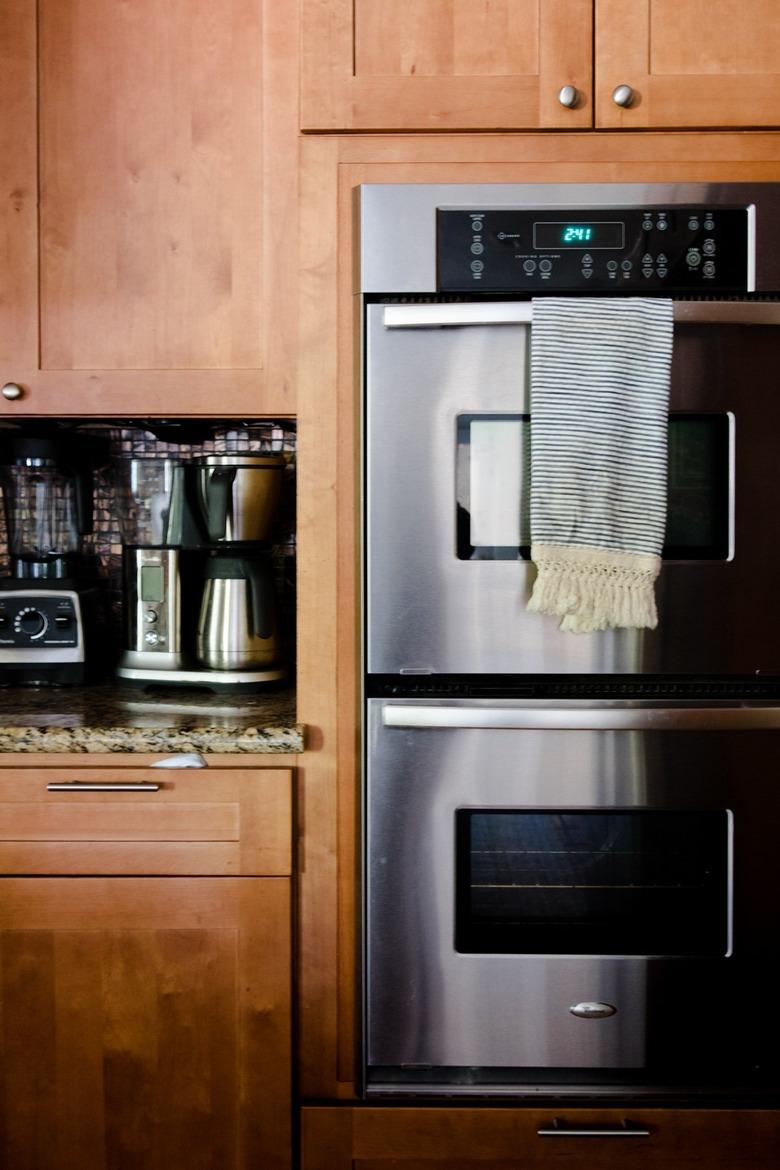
x=571 y=841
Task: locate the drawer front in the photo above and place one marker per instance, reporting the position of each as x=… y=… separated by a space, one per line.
x=422 y=1138
x=222 y=822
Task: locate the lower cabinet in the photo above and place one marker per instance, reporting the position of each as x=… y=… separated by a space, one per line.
x=509 y=1138
x=145 y=1020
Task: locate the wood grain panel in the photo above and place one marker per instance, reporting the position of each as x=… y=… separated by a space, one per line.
x=106 y=821
x=690 y=64
x=740 y=36
x=150 y=121
x=231 y=821
x=145 y=1024
x=18 y=187
x=446 y=37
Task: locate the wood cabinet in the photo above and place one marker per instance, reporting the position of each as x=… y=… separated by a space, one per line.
x=689 y=63
x=146 y=1007
x=446 y=1138
x=135 y=260
x=455 y=65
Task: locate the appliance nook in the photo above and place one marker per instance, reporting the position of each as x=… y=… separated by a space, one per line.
x=154 y=551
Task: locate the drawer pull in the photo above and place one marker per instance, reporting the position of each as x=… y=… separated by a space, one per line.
x=561 y=1128
x=98 y=786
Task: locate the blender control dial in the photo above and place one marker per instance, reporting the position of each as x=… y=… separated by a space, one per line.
x=31 y=621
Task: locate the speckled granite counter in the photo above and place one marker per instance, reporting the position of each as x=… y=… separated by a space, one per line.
x=122 y=719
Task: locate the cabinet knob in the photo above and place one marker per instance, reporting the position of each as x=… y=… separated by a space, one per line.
x=11 y=391
x=569 y=96
x=623 y=95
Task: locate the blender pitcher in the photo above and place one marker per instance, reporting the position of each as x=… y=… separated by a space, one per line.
x=48 y=505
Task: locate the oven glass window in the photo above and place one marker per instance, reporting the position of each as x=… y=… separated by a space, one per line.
x=493 y=481
x=566 y=882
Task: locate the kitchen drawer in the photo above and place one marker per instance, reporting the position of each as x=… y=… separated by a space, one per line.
x=507 y=1138
x=221 y=822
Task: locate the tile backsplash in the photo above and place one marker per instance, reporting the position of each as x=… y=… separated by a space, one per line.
x=182 y=439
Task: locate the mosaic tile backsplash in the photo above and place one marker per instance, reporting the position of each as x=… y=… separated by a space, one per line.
x=182 y=439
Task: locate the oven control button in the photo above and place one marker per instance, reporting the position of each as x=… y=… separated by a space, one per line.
x=592 y=1011
x=545 y=265
x=529 y=266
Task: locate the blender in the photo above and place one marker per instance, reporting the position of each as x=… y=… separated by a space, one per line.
x=47 y=483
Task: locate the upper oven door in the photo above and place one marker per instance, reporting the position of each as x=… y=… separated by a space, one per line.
x=447 y=432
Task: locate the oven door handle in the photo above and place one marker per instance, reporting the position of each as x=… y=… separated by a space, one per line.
x=552 y=718
x=521 y=313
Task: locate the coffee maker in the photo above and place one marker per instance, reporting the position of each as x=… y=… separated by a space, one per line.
x=48 y=603
x=199 y=598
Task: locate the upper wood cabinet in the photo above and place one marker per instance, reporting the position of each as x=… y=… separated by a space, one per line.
x=444 y=64
x=131 y=217
x=505 y=64
x=688 y=63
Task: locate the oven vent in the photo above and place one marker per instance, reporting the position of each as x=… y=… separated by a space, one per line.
x=644 y=689
x=462 y=298
x=389 y=686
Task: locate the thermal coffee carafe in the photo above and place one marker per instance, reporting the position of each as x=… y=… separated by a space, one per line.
x=200 y=605
x=47 y=483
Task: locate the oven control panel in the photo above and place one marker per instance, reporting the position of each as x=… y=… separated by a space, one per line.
x=631 y=251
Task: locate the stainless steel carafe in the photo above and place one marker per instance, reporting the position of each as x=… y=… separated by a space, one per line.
x=239 y=495
x=237 y=623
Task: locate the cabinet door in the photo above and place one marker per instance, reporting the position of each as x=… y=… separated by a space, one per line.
x=688 y=63
x=132 y=265
x=145 y=1023
x=444 y=64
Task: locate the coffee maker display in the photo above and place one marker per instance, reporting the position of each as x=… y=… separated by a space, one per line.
x=48 y=603
x=199 y=598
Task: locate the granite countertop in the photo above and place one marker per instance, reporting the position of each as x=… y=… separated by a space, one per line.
x=113 y=718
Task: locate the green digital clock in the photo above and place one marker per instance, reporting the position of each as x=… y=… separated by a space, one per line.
x=550 y=234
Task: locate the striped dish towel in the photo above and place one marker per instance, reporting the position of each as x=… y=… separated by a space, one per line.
x=599 y=414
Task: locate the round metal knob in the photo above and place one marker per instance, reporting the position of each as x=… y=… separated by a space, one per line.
x=11 y=391
x=569 y=96
x=623 y=95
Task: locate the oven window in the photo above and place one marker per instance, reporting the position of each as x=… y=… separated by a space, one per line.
x=493 y=479
x=566 y=882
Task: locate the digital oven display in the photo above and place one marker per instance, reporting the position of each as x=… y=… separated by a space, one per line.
x=564 y=234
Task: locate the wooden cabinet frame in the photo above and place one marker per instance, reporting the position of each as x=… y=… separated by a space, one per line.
x=332 y=167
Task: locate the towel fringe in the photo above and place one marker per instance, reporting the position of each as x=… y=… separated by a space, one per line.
x=595 y=589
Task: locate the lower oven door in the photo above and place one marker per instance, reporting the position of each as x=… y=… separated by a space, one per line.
x=571 y=894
